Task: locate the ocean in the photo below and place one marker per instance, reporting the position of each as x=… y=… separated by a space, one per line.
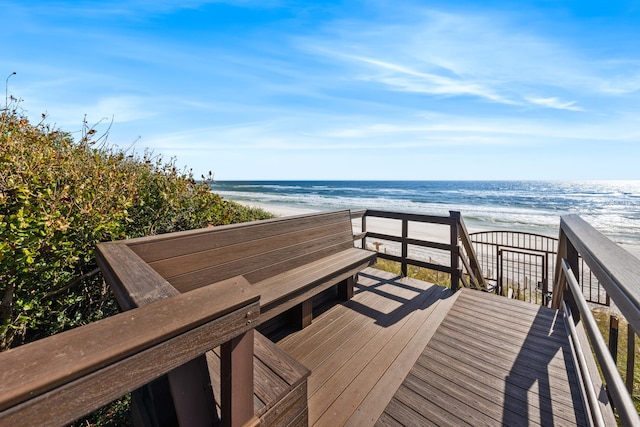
x=612 y=207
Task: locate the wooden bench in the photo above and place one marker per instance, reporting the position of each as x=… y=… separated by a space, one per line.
x=286 y=261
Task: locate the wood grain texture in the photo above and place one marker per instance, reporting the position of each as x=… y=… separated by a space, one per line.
x=288 y=260
x=276 y=375
x=98 y=383
x=351 y=347
x=133 y=282
x=492 y=361
x=48 y=363
x=171 y=245
x=616 y=269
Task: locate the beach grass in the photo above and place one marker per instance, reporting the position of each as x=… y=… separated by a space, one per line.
x=602 y=317
x=419 y=273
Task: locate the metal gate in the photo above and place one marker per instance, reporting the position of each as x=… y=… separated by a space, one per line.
x=522 y=264
x=523 y=275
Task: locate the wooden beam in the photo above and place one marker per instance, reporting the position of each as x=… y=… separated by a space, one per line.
x=236 y=380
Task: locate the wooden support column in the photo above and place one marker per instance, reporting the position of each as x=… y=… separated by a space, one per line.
x=192 y=394
x=304 y=313
x=631 y=357
x=236 y=380
x=405 y=247
x=345 y=288
x=455 y=251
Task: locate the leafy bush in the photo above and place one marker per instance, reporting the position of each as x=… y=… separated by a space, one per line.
x=58 y=198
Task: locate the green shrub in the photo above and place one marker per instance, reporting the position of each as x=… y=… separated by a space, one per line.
x=58 y=198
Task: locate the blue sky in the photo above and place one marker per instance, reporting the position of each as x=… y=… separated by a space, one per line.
x=341 y=90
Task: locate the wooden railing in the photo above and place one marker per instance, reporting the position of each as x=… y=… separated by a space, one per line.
x=56 y=380
x=463 y=265
x=619 y=273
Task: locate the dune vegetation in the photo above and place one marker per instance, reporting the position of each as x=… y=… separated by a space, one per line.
x=59 y=196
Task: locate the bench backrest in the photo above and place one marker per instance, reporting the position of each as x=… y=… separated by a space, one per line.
x=257 y=250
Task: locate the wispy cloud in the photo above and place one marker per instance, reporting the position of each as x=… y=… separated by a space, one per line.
x=555 y=103
x=492 y=55
x=404 y=78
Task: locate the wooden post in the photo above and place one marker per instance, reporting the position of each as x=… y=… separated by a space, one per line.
x=192 y=394
x=559 y=282
x=236 y=380
x=631 y=357
x=572 y=259
x=364 y=230
x=345 y=288
x=405 y=247
x=304 y=313
x=455 y=251
x=613 y=337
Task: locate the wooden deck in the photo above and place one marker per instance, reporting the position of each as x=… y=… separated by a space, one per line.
x=405 y=352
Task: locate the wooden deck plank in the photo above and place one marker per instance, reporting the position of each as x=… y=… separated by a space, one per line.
x=338 y=356
x=367 y=365
x=492 y=376
x=496 y=346
x=334 y=334
x=433 y=409
x=473 y=389
x=330 y=319
x=470 y=322
x=546 y=328
x=472 y=409
x=373 y=404
x=490 y=381
x=398 y=354
x=491 y=403
x=402 y=342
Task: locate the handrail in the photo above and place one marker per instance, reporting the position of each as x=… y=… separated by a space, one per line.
x=458 y=233
x=473 y=265
x=616 y=269
x=618 y=272
x=60 y=378
x=615 y=385
x=590 y=391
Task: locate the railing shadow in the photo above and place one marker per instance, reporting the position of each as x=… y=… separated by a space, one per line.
x=532 y=366
x=422 y=300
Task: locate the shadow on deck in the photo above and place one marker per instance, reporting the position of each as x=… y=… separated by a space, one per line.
x=405 y=352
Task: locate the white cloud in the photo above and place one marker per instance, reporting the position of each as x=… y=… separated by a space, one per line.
x=406 y=79
x=555 y=103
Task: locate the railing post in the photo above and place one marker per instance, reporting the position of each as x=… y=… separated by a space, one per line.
x=455 y=251
x=572 y=258
x=613 y=337
x=405 y=247
x=363 y=230
x=545 y=282
x=236 y=380
x=631 y=357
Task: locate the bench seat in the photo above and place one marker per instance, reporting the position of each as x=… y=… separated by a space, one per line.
x=285 y=290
